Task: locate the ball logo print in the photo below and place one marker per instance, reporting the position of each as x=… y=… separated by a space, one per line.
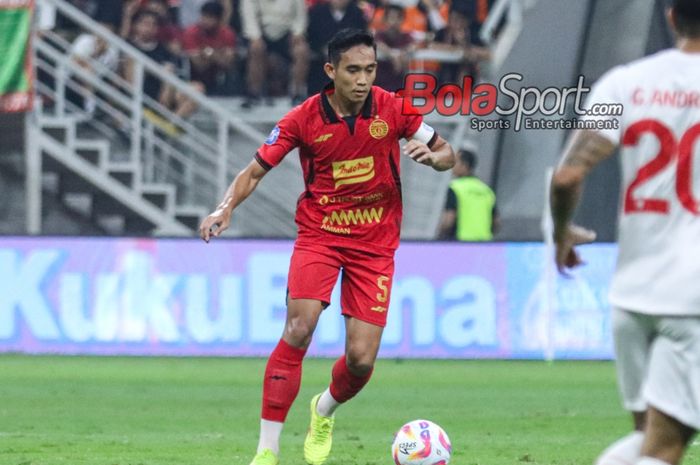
x=421 y=442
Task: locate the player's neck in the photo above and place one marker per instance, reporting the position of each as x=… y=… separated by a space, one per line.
x=687 y=45
x=343 y=106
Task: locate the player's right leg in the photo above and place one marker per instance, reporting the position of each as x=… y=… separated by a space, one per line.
x=666 y=439
x=633 y=334
x=283 y=376
x=672 y=391
x=312 y=275
x=365 y=297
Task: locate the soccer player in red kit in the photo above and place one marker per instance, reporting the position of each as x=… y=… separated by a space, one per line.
x=348 y=218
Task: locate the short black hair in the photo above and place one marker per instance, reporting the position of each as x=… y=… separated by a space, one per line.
x=212 y=8
x=140 y=14
x=687 y=14
x=345 y=39
x=468 y=158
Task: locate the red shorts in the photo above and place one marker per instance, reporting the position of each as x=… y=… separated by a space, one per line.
x=365 y=285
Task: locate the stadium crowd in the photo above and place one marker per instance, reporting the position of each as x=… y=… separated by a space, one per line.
x=261 y=49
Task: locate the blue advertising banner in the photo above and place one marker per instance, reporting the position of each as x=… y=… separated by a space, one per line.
x=227 y=298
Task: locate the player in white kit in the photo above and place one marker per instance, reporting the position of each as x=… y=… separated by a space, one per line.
x=656 y=287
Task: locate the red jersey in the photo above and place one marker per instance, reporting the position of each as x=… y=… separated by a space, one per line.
x=351 y=169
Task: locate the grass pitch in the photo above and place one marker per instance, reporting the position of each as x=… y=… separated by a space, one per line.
x=168 y=411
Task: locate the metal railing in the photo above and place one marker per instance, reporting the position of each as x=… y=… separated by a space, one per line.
x=502 y=28
x=169 y=148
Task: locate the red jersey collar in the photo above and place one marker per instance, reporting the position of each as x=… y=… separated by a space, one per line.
x=328 y=113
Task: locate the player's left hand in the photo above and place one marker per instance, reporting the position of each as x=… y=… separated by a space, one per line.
x=566 y=256
x=419 y=152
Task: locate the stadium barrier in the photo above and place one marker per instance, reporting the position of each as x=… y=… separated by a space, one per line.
x=182 y=297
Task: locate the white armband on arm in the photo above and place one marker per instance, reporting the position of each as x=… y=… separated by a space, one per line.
x=425 y=134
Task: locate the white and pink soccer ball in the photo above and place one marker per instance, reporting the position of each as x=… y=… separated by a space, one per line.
x=421 y=442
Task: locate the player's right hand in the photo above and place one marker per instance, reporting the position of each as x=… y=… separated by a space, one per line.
x=566 y=255
x=214 y=224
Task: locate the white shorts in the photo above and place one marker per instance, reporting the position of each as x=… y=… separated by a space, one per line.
x=658 y=363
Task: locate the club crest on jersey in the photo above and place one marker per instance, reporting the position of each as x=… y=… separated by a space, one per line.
x=353 y=171
x=274 y=135
x=378 y=128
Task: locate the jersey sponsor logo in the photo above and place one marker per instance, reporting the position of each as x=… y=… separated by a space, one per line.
x=379 y=129
x=353 y=171
x=336 y=230
x=354 y=217
x=274 y=135
x=323 y=137
x=370 y=198
x=379 y=309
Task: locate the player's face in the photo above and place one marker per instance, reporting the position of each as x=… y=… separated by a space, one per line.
x=355 y=73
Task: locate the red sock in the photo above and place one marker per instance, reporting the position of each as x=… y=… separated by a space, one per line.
x=282 y=381
x=345 y=385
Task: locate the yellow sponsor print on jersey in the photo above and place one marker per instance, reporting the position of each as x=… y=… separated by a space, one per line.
x=354 y=217
x=379 y=309
x=323 y=137
x=353 y=171
x=334 y=230
x=379 y=129
x=369 y=198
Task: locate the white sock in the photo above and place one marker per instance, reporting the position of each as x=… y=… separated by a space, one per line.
x=326 y=404
x=650 y=461
x=625 y=451
x=270 y=435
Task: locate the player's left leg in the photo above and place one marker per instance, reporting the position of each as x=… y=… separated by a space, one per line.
x=365 y=295
x=351 y=372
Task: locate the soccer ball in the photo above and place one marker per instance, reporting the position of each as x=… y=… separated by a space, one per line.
x=421 y=442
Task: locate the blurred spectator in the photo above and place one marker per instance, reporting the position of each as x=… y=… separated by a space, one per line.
x=419 y=19
x=110 y=13
x=478 y=11
x=210 y=46
x=456 y=37
x=325 y=19
x=470 y=210
x=169 y=33
x=68 y=29
x=312 y=3
x=96 y=56
x=144 y=36
x=393 y=48
x=275 y=27
x=189 y=10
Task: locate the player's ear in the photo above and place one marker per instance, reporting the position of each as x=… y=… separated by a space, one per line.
x=330 y=70
x=671 y=18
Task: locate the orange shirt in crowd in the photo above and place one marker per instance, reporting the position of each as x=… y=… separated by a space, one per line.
x=414 y=19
